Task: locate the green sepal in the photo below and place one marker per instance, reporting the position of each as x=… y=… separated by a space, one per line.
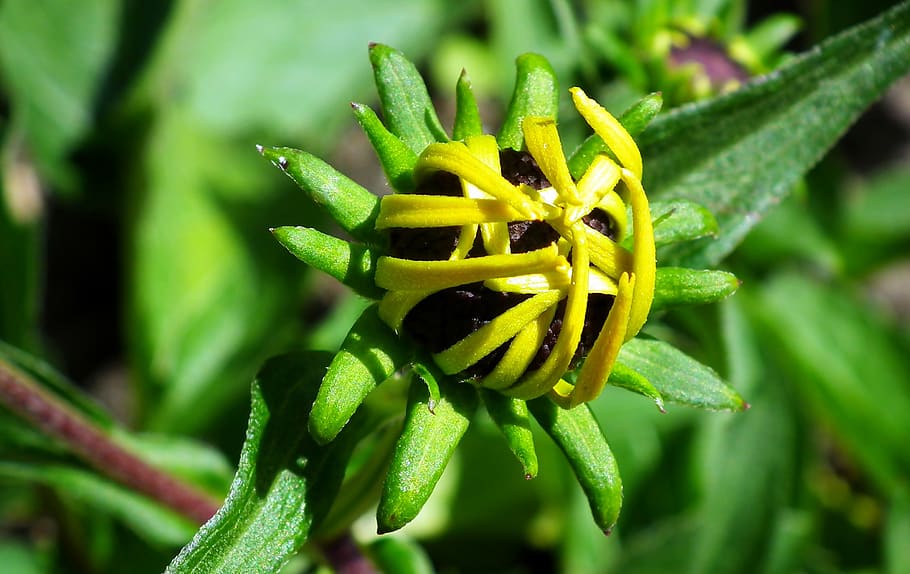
x=577 y=434
x=467 y=114
x=681 y=220
x=676 y=286
x=511 y=417
x=536 y=94
x=406 y=104
x=347 y=202
x=351 y=263
x=424 y=448
x=396 y=157
x=625 y=378
x=369 y=355
x=678 y=377
x=635 y=120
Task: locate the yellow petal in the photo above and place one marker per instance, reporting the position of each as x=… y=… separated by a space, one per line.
x=397 y=274
x=542 y=140
x=612 y=205
x=598 y=282
x=455 y=158
x=610 y=131
x=644 y=256
x=597 y=183
x=495 y=235
x=597 y=367
x=399 y=210
x=542 y=380
x=520 y=353
x=607 y=255
x=466 y=238
x=488 y=338
x=395 y=306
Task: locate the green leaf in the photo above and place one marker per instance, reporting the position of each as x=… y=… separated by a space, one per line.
x=143 y=516
x=625 y=378
x=680 y=220
x=897 y=531
x=399 y=555
x=406 y=105
x=354 y=208
x=351 y=263
x=848 y=364
x=536 y=94
x=285 y=482
x=369 y=355
x=427 y=442
x=576 y=432
x=396 y=157
x=678 y=377
x=467 y=115
x=877 y=211
x=512 y=418
x=53 y=57
x=682 y=286
x=739 y=154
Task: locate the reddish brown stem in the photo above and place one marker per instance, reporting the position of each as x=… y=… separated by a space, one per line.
x=345 y=557
x=27 y=399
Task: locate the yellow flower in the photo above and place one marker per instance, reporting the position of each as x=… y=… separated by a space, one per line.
x=575 y=261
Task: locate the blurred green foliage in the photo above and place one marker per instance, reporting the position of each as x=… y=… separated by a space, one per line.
x=135 y=256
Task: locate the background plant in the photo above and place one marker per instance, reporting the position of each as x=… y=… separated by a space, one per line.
x=135 y=258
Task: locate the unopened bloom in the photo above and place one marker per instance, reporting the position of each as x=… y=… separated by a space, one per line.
x=542 y=250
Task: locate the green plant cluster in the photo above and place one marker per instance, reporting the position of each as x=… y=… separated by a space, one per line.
x=135 y=257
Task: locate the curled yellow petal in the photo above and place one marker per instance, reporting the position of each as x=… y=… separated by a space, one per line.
x=520 y=353
x=596 y=184
x=610 y=131
x=495 y=235
x=597 y=367
x=396 y=305
x=542 y=140
x=644 y=254
x=560 y=279
x=397 y=274
x=488 y=338
x=412 y=211
x=607 y=255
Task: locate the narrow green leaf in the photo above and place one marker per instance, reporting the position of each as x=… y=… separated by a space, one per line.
x=467 y=115
x=708 y=152
x=427 y=442
x=399 y=555
x=577 y=434
x=678 y=377
x=625 y=378
x=353 y=207
x=369 y=355
x=430 y=374
x=536 y=94
x=897 y=532
x=145 y=517
x=682 y=286
x=772 y=34
x=396 y=157
x=406 y=105
x=285 y=482
x=351 y=263
x=877 y=211
x=512 y=418
x=635 y=120
x=681 y=220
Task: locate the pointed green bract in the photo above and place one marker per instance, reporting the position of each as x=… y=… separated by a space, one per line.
x=369 y=355
x=625 y=378
x=635 y=120
x=678 y=377
x=512 y=418
x=467 y=115
x=680 y=220
x=347 y=202
x=396 y=157
x=577 y=434
x=682 y=286
x=351 y=263
x=427 y=442
x=536 y=94
x=406 y=105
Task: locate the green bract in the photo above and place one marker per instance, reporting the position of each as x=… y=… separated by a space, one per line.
x=455 y=197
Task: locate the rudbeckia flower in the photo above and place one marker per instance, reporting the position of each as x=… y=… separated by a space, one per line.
x=505 y=275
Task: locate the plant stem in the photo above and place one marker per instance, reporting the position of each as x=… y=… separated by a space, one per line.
x=345 y=557
x=24 y=397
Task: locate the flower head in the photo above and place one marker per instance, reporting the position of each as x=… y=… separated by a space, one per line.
x=545 y=250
